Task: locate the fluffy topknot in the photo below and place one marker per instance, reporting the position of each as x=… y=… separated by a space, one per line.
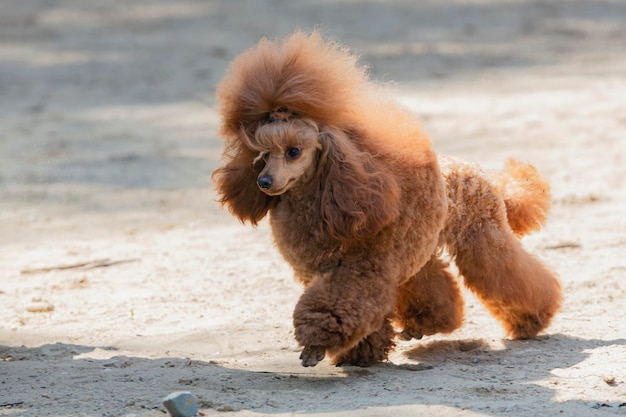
x=304 y=73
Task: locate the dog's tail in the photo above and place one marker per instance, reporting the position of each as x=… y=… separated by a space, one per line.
x=526 y=197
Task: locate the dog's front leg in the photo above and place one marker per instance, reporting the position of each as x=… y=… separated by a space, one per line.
x=340 y=309
x=311 y=355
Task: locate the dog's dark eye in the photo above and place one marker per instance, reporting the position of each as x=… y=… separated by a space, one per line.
x=293 y=153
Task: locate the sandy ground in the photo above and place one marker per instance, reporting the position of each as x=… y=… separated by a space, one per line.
x=107 y=142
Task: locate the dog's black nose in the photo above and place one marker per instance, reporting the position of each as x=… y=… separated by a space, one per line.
x=265 y=182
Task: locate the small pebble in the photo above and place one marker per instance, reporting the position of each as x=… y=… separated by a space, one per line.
x=226 y=408
x=112 y=363
x=39 y=307
x=414 y=367
x=181 y=404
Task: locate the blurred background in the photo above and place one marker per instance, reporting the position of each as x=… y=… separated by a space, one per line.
x=108 y=106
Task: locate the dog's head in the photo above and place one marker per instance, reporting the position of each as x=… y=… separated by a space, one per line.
x=288 y=113
x=288 y=150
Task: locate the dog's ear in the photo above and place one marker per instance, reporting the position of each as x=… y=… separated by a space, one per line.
x=236 y=184
x=358 y=195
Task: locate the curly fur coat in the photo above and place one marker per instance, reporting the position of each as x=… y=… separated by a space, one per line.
x=361 y=206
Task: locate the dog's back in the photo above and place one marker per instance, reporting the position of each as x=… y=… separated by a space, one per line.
x=519 y=187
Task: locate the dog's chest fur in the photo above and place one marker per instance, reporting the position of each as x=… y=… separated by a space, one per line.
x=297 y=233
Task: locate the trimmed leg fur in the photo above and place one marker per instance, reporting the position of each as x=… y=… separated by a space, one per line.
x=338 y=311
x=429 y=302
x=514 y=286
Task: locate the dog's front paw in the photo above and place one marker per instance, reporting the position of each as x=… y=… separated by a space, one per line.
x=409 y=334
x=317 y=331
x=311 y=355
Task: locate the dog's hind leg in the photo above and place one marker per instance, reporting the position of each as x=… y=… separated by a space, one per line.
x=429 y=302
x=514 y=286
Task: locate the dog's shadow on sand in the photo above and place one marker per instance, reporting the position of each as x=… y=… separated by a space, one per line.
x=445 y=375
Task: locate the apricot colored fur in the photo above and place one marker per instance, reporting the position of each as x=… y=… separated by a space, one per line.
x=361 y=207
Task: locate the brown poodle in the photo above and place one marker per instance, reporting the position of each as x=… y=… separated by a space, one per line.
x=362 y=208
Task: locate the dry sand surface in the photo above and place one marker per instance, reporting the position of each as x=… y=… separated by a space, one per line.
x=107 y=142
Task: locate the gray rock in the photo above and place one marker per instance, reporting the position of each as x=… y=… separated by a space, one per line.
x=181 y=404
